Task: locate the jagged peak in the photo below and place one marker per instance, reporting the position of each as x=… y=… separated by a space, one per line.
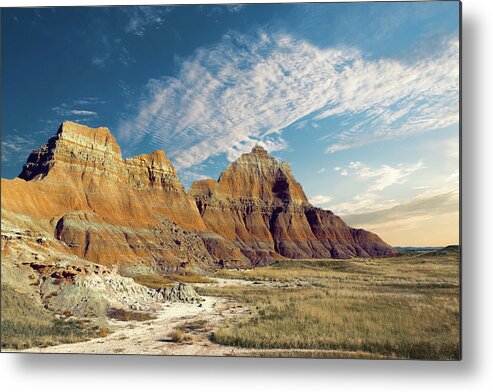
x=72 y=141
x=255 y=175
x=73 y=127
x=259 y=150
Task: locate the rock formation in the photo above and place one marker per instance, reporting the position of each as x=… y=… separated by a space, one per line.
x=262 y=209
x=131 y=212
x=80 y=221
x=79 y=194
x=41 y=268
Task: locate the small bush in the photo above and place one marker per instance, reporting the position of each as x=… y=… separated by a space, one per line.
x=103 y=332
x=178 y=336
x=125 y=315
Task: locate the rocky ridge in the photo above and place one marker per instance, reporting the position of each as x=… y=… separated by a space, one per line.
x=261 y=208
x=135 y=214
x=40 y=267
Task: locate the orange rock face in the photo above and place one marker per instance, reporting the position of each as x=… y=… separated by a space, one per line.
x=260 y=207
x=104 y=208
x=135 y=214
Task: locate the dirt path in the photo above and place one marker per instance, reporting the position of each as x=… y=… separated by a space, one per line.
x=153 y=337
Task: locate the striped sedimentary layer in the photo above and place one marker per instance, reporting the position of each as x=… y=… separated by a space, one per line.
x=135 y=213
x=105 y=208
x=261 y=208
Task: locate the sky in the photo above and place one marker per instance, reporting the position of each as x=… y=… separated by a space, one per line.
x=362 y=99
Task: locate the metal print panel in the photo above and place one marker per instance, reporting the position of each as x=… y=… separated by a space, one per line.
x=268 y=180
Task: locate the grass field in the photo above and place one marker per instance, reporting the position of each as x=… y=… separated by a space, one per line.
x=26 y=324
x=157 y=282
x=401 y=307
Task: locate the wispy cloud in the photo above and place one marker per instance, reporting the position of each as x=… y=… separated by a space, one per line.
x=321 y=170
x=77 y=112
x=375 y=199
x=112 y=51
x=320 y=200
x=142 y=18
x=221 y=9
x=244 y=90
x=100 y=60
x=429 y=218
x=81 y=109
x=383 y=176
x=188 y=176
x=64 y=110
x=394 y=99
x=451 y=147
x=235 y=7
x=363 y=203
x=341 y=171
x=16 y=147
x=426 y=204
x=89 y=101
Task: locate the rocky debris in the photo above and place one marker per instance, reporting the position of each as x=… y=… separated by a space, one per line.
x=71 y=285
x=260 y=208
x=179 y=292
x=92 y=294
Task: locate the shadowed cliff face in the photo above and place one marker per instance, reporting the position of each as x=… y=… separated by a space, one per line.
x=257 y=204
x=134 y=213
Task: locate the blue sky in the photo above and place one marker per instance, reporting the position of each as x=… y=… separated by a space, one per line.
x=360 y=98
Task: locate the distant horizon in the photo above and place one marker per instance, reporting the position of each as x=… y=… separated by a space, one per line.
x=360 y=98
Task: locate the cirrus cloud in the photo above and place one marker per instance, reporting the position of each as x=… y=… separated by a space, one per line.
x=244 y=90
x=382 y=176
x=320 y=200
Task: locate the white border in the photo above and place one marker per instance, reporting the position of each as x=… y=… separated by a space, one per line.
x=113 y=373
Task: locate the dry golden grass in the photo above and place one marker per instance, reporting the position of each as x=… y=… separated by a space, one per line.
x=157 y=282
x=154 y=281
x=189 y=278
x=404 y=307
x=323 y=354
x=178 y=336
x=26 y=324
x=126 y=315
x=103 y=331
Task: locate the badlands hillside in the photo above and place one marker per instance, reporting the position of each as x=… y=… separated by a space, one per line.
x=81 y=225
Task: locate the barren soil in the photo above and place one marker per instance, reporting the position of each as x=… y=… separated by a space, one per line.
x=153 y=337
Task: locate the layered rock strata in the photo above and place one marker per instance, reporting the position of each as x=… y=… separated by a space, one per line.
x=40 y=267
x=135 y=214
x=258 y=205
x=105 y=208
